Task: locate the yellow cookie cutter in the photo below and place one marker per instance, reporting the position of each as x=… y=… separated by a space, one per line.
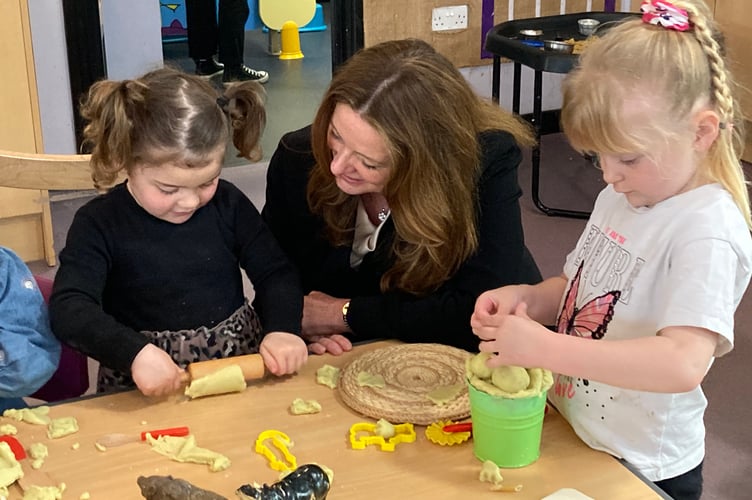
x=403 y=433
x=282 y=442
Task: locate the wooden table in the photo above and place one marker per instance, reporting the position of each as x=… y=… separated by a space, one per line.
x=229 y=424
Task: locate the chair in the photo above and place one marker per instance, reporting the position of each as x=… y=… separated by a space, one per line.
x=71 y=379
x=42 y=173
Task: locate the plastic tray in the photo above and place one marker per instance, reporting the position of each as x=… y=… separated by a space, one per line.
x=505 y=40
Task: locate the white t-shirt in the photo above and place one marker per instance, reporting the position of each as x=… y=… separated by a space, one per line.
x=684 y=262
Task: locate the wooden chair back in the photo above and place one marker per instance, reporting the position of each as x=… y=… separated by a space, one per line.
x=32 y=233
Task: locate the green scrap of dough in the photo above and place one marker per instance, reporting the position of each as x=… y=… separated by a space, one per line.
x=445 y=393
x=36 y=415
x=510 y=378
x=366 y=379
x=8 y=429
x=10 y=469
x=35 y=492
x=184 y=449
x=38 y=452
x=327 y=375
x=225 y=380
x=300 y=406
x=490 y=473
x=385 y=429
x=62 y=426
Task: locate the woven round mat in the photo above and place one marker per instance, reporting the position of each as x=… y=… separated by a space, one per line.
x=410 y=372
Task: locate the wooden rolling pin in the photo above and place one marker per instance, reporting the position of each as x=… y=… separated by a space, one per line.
x=252 y=366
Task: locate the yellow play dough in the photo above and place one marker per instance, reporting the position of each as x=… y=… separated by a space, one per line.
x=38 y=452
x=490 y=473
x=8 y=429
x=62 y=426
x=445 y=393
x=35 y=492
x=36 y=415
x=500 y=380
x=385 y=429
x=366 y=379
x=510 y=378
x=327 y=375
x=10 y=469
x=184 y=449
x=227 y=379
x=302 y=407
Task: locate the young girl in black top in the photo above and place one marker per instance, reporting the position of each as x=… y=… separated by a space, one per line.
x=150 y=279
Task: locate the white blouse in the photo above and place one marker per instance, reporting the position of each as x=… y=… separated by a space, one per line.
x=366 y=235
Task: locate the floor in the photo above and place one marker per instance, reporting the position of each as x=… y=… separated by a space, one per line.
x=567 y=181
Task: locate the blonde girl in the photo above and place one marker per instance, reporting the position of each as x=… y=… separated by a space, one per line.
x=648 y=296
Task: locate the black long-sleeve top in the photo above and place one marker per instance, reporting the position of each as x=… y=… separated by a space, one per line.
x=123 y=271
x=442 y=316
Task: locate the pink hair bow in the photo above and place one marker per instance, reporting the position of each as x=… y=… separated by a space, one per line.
x=664 y=14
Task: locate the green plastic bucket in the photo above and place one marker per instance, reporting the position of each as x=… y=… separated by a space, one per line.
x=506 y=431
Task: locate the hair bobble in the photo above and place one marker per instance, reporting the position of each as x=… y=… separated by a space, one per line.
x=665 y=14
x=223 y=102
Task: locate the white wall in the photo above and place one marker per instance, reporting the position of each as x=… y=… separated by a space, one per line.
x=53 y=83
x=132 y=32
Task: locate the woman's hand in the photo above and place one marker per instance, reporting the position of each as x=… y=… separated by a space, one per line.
x=283 y=353
x=323 y=324
x=155 y=373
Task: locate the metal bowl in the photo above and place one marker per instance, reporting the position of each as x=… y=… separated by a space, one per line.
x=531 y=34
x=558 y=46
x=588 y=26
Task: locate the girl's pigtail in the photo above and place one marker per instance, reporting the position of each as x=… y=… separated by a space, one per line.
x=244 y=105
x=109 y=108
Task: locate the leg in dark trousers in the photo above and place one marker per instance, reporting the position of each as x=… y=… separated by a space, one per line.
x=233 y=15
x=687 y=486
x=201 y=18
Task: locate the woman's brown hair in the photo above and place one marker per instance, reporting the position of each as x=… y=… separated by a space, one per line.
x=430 y=120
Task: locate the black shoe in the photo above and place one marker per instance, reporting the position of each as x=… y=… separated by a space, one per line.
x=208 y=67
x=244 y=74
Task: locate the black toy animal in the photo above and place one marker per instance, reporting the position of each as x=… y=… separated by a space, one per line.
x=307 y=482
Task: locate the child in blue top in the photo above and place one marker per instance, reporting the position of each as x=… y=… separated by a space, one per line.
x=29 y=353
x=648 y=296
x=150 y=276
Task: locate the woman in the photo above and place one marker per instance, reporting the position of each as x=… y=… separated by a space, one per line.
x=399 y=204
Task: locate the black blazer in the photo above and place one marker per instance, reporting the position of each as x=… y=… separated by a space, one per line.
x=442 y=316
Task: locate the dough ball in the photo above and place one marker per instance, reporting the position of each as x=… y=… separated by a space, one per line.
x=478 y=365
x=510 y=378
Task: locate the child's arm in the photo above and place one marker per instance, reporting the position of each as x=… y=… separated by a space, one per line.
x=675 y=360
x=155 y=373
x=542 y=302
x=283 y=353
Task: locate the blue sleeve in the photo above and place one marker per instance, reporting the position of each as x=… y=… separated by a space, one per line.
x=29 y=353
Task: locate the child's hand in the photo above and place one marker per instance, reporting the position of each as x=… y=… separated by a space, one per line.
x=515 y=338
x=283 y=352
x=498 y=302
x=155 y=373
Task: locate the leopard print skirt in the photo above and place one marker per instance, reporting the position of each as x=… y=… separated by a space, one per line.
x=238 y=334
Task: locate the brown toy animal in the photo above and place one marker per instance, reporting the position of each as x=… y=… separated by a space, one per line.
x=169 y=488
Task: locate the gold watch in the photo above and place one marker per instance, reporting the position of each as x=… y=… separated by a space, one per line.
x=345 y=308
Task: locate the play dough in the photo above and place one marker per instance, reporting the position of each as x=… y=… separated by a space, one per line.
x=184 y=449
x=35 y=492
x=227 y=379
x=36 y=415
x=8 y=429
x=38 y=452
x=302 y=407
x=366 y=379
x=327 y=375
x=502 y=379
x=445 y=393
x=62 y=426
x=490 y=473
x=384 y=429
x=10 y=469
